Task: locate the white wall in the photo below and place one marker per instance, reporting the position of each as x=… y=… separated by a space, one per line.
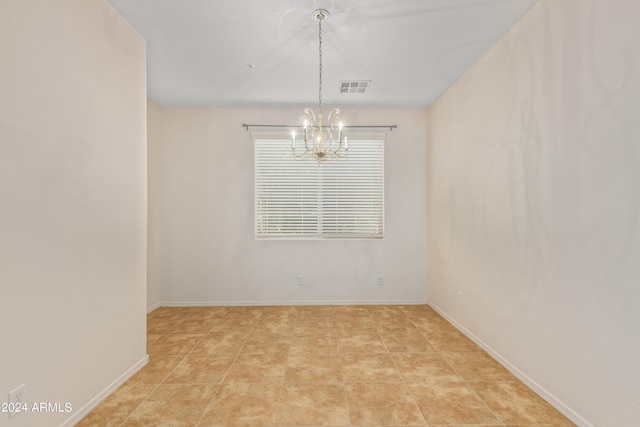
x=535 y=200
x=204 y=230
x=72 y=203
x=153 y=180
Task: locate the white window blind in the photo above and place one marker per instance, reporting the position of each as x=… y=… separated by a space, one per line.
x=304 y=198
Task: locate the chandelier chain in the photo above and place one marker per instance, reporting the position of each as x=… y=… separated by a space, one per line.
x=320 y=54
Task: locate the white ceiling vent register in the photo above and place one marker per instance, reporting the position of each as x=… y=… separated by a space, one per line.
x=354 y=86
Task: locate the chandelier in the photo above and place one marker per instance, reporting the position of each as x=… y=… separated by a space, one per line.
x=323 y=136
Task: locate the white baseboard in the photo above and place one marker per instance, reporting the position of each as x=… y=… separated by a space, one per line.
x=286 y=303
x=93 y=403
x=539 y=390
x=152 y=307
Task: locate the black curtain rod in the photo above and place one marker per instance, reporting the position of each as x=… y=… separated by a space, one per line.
x=391 y=127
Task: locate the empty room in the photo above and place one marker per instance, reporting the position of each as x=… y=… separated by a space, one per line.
x=320 y=213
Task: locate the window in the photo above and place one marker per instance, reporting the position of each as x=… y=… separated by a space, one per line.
x=334 y=198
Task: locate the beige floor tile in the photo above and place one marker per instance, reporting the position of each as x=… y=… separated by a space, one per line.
x=200 y=369
x=415 y=309
x=174 y=344
x=220 y=344
x=426 y=368
x=366 y=333
x=451 y=403
x=430 y=327
x=369 y=368
x=452 y=342
x=118 y=406
x=204 y=312
x=445 y=334
x=514 y=403
x=193 y=326
x=312 y=349
x=477 y=366
x=280 y=333
x=388 y=311
x=152 y=337
x=243 y=405
x=178 y=313
x=263 y=336
x=258 y=368
x=261 y=343
x=242 y=325
x=323 y=342
x=312 y=405
x=401 y=324
x=229 y=324
x=173 y=405
x=383 y=404
x=311 y=311
x=264 y=347
x=243 y=313
x=406 y=342
x=328 y=334
x=319 y=323
x=369 y=342
x=277 y=321
x=157 y=369
x=277 y=312
x=538 y=425
x=216 y=312
x=313 y=368
x=160 y=326
x=347 y=326
x=275 y=326
x=350 y=312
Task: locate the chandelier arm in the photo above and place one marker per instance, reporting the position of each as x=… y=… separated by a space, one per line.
x=338 y=150
x=335 y=150
x=340 y=154
x=299 y=155
x=390 y=127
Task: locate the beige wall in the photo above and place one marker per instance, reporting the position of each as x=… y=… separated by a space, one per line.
x=203 y=218
x=154 y=119
x=72 y=203
x=534 y=185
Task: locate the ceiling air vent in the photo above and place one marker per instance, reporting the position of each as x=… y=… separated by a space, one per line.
x=354 y=86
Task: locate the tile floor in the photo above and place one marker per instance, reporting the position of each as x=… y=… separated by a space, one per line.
x=317 y=366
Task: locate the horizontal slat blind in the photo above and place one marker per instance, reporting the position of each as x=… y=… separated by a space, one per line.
x=304 y=198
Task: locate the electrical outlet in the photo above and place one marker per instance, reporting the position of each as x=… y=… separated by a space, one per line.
x=299 y=280
x=17 y=403
x=380 y=281
x=460 y=297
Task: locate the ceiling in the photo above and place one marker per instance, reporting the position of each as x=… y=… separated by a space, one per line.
x=259 y=53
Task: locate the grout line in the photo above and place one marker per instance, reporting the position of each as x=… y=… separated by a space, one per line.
x=415 y=402
x=224 y=376
x=161 y=381
x=466 y=382
x=284 y=378
x=344 y=382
